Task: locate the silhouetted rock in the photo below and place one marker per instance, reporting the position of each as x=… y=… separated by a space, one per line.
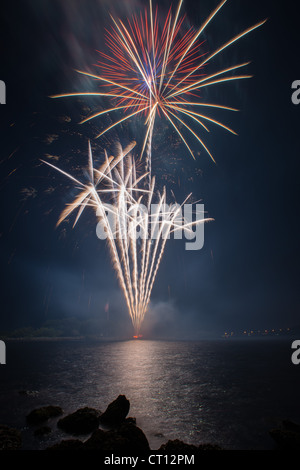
x=42 y=431
x=130 y=420
x=42 y=414
x=137 y=441
x=287 y=437
x=116 y=411
x=10 y=438
x=291 y=426
x=120 y=435
x=82 y=421
x=127 y=438
x=67 y=444
x=106 y=441
x=286 y=440
x=178 y=447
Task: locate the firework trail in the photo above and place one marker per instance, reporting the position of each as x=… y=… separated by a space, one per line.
x=136 y=235
x=155 y=69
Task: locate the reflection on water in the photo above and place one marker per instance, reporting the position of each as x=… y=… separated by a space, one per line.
x=229 y=393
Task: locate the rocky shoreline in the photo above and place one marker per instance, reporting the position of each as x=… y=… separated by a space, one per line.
x=113 y=432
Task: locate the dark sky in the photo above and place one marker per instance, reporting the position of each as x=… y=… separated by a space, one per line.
x=247 y=274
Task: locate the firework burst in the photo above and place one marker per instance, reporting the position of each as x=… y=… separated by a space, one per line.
x=136 y=234
x=158 y=69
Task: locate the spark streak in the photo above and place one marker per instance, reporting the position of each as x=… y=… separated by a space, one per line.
x=116 y=193
x=149 y=64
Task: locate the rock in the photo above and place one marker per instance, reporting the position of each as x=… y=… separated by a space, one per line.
x=288 y=436
x=291 y=426
x=42 y=414
x=137 y=441
x=116 y=411
x=127 y=438
x=286 y=440
x=82 y=421
x=130 y=420
x=106 y=441
x=10 y=438
x=178 y=447
x=42 y=431
x=67 y=444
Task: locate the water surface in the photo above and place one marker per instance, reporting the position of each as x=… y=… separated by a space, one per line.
x=224 y=392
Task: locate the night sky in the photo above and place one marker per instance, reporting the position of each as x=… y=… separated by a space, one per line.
x=247 y=274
